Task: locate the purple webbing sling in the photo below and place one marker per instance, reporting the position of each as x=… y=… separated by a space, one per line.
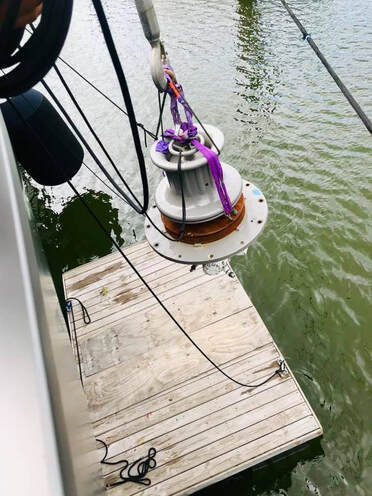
x=217 y=173
x=188 y=132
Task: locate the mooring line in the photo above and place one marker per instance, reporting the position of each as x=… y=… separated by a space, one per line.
x=307 y=37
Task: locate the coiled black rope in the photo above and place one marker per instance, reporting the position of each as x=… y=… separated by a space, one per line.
x=142 y=467
x=143 y=464
x=307 y=36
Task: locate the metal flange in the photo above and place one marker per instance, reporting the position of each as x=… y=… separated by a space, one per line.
x=250 y=228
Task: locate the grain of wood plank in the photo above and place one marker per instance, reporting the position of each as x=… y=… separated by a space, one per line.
x=112 y=273
x=208 y=422
x=169 y=364
x=121 y=274
x=205 y=289
x=78 y=278
x=182 y=397
x=134 y=335
x=97 y=300
x=133 y=293
x=115 y=255
x=216 y=456
x=146 y=384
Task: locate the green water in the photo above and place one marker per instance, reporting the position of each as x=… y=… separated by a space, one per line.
x=289 y=130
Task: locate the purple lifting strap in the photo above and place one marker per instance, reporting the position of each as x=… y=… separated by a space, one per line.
x=187 y=132
x=217 y=174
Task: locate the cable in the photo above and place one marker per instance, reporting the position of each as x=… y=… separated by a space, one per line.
x=122 y=197
x=127 y=99
x=73 y=335
x=139 y=124
x=202 y=125
x=101 y=145
x=161 y=110
x=91 y=152
x=307 y=36
x=183 y=203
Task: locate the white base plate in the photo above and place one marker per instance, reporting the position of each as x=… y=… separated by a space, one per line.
x=256 y=212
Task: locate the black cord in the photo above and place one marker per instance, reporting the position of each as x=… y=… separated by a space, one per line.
x=183 y=202
x=127 y=99
x=281 y=368
x=139 y=124
x=307 y=36
x=161 y=110
x=203 y=127
x=142 y=466
x=91 y=152
x=98 y=140
x=73 y=334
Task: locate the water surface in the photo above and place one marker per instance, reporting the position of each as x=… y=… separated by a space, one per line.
x=289 y=130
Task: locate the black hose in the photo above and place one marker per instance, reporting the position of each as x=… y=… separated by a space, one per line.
x=31 y=62
x=127 y=99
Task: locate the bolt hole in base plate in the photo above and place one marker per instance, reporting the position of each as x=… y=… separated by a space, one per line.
x=251 y=227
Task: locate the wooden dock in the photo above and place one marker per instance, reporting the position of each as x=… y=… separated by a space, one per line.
x=148 y=386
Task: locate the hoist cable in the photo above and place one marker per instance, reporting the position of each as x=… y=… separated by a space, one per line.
x=86 y=80
x=120 y=194
x=90 y=150
x=161 y=110
x=139 y=124
x=307 y=36
x=97 y=138
x=127 y=99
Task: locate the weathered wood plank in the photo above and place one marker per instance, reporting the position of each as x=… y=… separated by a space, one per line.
x=170 y=364
x=133 y=293
x=143 y=247
x=208 y=422
x=113 y=274
x=238 y=447
x=205 y=292
x=141 y=332
x=187 y=395
x=147 y=385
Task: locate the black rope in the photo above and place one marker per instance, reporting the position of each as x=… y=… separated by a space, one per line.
x=73 y=334
x=139 y=124
x=92 y=154
x=203 y=127
x=281 y=367
x=97 y=138
x=142 y=466
x=161 y=110
x=307 y=36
